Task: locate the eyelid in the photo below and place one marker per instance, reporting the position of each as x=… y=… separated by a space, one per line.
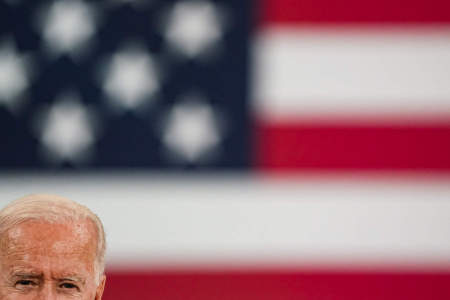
x=26 y=282
x=27 y=279
x=74 y=285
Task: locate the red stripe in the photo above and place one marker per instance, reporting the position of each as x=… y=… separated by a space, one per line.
x=330 y=11
x=307 y=146
x=277 y=285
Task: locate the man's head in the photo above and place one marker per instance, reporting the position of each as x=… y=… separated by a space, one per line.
x=50 y=248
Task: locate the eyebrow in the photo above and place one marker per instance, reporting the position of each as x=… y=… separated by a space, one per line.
x=25 y=274
x=72 y=278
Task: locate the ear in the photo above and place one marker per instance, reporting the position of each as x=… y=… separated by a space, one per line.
x=100 y=288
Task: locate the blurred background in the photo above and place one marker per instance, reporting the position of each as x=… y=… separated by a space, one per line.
x=273 y=149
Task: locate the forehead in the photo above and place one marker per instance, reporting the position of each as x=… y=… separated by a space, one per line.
x=44 y=239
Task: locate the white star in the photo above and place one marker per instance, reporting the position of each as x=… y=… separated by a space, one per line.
x=66 y=130
x=130 y=78
x=193 y=26
x=191 y=130
x=13 y=75
x=68 y=26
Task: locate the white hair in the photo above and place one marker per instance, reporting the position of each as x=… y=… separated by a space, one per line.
x=53 y=209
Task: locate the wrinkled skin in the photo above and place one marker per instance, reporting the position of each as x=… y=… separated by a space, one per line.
x=39 y=260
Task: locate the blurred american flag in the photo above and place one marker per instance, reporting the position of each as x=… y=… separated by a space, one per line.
x=240 y=149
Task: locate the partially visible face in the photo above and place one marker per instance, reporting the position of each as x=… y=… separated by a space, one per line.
x=40 y=260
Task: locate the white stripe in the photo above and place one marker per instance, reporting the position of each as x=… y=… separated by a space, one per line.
x=344 y=71
x=167 y=221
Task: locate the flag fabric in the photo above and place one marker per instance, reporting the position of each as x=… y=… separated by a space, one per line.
x=276 y=149
x=353 y=85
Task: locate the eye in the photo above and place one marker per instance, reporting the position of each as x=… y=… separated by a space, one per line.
x=25 y=283
x=68 y=286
